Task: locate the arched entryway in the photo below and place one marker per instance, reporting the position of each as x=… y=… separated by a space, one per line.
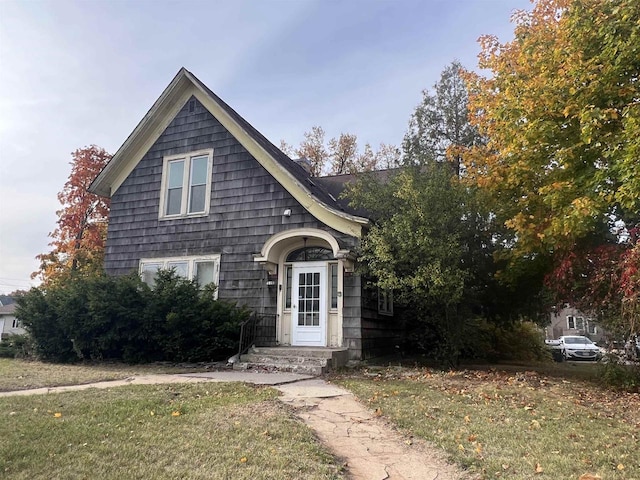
x=309 y=266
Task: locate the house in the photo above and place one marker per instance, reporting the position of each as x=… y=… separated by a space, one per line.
x=9 y=324
x=570 y=321
x=196 y=188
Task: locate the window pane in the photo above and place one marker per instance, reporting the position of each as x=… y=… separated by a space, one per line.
x=287 y=290
x=176 y=174
x=199 y=171
x=205 y=273
x=174 y=201
x=149 y=271
x=197 y=198
x=334 y=286
x=181 y=268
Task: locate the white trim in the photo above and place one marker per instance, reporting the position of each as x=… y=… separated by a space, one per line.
x=186 y=184
x=310 y=335
x=294 y=236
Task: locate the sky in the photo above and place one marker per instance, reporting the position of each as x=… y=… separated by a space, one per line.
x=76 y=73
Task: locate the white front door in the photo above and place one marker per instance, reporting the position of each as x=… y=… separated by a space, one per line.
x=309 y=304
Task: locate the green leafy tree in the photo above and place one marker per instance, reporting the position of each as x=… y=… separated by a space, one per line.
x=561 y=112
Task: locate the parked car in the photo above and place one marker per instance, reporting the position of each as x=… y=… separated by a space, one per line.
x=574 y=347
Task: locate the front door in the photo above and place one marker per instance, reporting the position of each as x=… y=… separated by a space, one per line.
x=309 y=304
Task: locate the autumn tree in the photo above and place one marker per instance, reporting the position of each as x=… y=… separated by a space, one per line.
x=341 y=155
x=561 y=112
x=78 y=240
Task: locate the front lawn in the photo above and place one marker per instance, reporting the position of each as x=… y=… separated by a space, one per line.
x=21 y=374
x=195 y=431
x=515 y=425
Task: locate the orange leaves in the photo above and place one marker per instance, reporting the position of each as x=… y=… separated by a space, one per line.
x=78 y=239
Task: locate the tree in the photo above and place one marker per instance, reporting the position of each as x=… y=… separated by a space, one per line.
x=78 y=240
x=561 y=112
x=439 y=126
x=341 y=155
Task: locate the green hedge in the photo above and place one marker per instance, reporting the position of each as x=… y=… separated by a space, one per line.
x=121 y=318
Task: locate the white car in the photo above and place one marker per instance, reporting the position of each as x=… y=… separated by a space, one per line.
x=574 y=347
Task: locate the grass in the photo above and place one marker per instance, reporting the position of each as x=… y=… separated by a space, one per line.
x=515 y=425
x=22 y=374
x=195 y=431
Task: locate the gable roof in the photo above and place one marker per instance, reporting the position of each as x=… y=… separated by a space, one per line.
x=311 y=194
x=8 y=309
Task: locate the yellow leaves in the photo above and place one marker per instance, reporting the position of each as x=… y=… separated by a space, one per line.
x=57 y=414
x=467 y=419
x=243 y=460
x=620 y=467
x=176 y=413
x=152 y=413
x=534 y=425
x=539 y=469
x=589 y=476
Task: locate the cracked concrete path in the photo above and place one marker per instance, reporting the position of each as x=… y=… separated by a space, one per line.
x=370 y=448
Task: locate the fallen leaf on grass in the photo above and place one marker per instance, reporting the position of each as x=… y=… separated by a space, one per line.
x=57 y=414
x=539 y=468
x=589 y=476
x=176 y=414
x=243 y=460
x=620 y=466
x=378 y=412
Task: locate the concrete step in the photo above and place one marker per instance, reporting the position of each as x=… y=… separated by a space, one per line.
x=280 y=367
x=316 y=352
x=308 y=360
x=283 y=360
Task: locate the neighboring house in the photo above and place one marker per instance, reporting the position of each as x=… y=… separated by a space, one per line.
x=196 y=188
x=570 y=321
x=9 y=324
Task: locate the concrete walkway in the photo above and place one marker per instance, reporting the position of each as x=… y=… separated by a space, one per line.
x=370 y=448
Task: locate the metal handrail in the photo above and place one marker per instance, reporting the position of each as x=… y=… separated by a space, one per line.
x=258 y=330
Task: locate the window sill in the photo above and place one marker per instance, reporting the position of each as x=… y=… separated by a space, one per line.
x=180 y=217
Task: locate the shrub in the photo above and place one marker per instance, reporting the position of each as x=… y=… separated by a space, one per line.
x=16 y=346
x=100 y=317
x=616 y=375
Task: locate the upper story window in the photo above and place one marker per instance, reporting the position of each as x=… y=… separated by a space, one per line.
x=186 y=184
x=571 y=322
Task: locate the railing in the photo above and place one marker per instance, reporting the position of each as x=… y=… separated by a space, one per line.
x=258 y=330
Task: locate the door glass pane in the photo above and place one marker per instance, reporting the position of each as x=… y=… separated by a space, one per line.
x=287 y=290
x=334 y=285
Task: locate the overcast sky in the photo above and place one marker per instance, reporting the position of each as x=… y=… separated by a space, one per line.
x=75 y=73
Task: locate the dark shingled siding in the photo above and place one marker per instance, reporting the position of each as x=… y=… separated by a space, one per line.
x=246 y=209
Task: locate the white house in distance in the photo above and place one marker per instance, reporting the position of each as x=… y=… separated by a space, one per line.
x=9 y=324
x=570 y=321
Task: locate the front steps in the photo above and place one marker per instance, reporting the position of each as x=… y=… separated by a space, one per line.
x=306 y=360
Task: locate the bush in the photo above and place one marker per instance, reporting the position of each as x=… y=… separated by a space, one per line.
x=517 y=342
x=16 y=346
x=100 y=317
x=616 y=375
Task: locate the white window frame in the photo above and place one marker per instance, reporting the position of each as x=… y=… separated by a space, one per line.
x=385 y=302
x=571 y=320
x=186 y=182
x=191 y=265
